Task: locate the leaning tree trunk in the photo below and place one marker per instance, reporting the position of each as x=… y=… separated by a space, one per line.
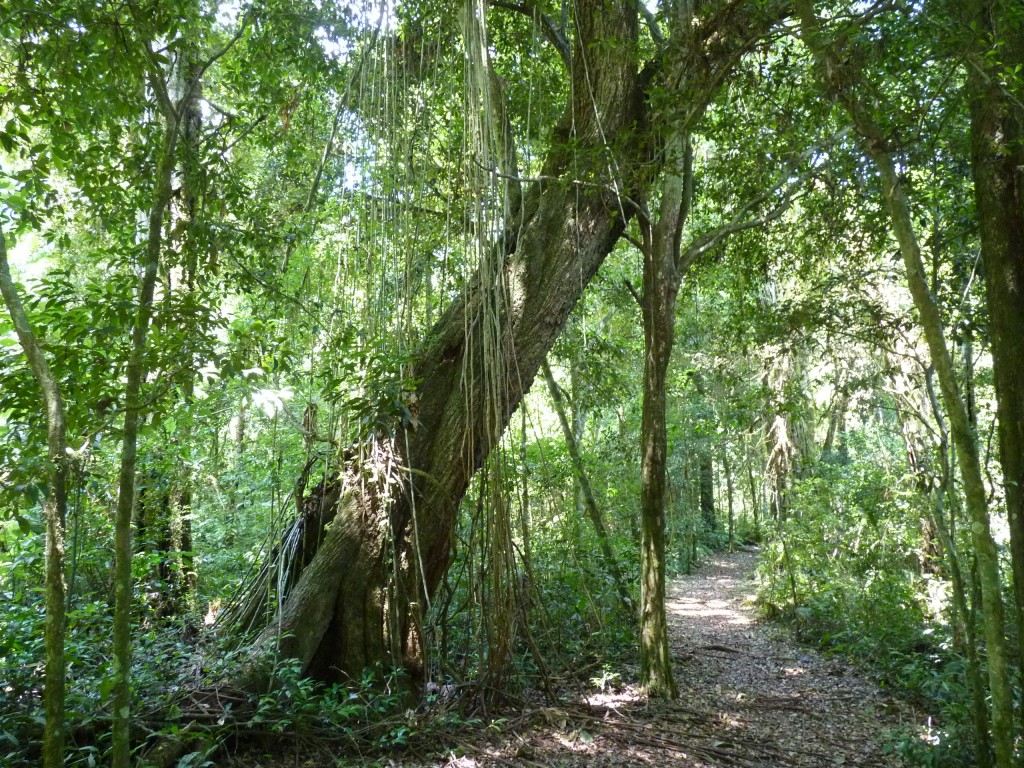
x=360 y=600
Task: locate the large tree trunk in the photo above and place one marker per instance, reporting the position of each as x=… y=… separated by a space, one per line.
x=997 y=161
x=361 y=600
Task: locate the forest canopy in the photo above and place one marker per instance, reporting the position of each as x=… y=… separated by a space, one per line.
x=357 y=351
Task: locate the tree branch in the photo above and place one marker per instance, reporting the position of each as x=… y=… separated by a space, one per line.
x=226 y=47
x=551 y=32
x=633 y=292
x=739 y=223
x=788 y=187
x=652 y=23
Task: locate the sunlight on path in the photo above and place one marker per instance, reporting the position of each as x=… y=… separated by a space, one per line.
x=722 y=595
x=783 y=701
x=685 y=607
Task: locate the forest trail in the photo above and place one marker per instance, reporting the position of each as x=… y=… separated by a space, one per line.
x=769 y=700
x=750 y=697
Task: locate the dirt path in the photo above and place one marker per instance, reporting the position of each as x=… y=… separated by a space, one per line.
x=749 y=698
x=798 y=708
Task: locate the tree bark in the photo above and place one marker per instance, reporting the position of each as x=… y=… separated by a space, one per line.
x=997 y=163
x=135 y=375
x=935 y=488
x=755 y=501
x=707 y=491
x=658 y=302
x=54 y=513
x=839 y=78
x=730 y=493
x=946 y=489
x=589 y=501
x=837 y=414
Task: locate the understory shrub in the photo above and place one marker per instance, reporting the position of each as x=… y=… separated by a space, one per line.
x=846 y=570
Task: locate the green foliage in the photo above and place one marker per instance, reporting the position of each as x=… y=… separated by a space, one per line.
x=321 y=223
x=299 y=705
x=845 y=569
x=848 y=552
x=163 y=655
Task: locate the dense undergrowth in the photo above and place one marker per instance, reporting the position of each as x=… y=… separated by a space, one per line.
x=564 y=628
x=850 y=568
x=853 y=569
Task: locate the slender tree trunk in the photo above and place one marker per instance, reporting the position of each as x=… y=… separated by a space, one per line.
x=729 y=495
x=524 y=505
x=706 y=472
x=579 y=426
x=589 y=501
x=135 y=375
x=839 y=77
x=180 y=571
x=777 y=468
x=663 y=272
x=997 y=162
x=659 y=300
x=755 y=500
x=659 y=319
x=54 y=514
x=965 y=439
x=962 y=611
x=920 y=398
x=836 y=416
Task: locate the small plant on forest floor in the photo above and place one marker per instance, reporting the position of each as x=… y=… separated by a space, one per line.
x=607 y=680
x=932 y=747
x=297 y=703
